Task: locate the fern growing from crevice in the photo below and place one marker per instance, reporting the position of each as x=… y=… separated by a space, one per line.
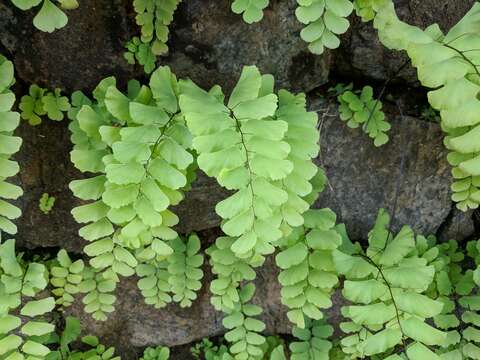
x=386 y=285
x=325 y=20
x=361 y=109
x=154 y=17
x=41 y=102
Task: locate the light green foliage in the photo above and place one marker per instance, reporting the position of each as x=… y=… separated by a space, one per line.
x=252 y=10
x=154 y=17
x=94 y=350
x=46 y=203
x=154 y=283
x=312 y=343
x=308 y=274
x=469 y=343
x=243 y=328
x=246 y=146
x=158 y=353
x=40 y=102
x=99 y=287
x=205 y=349
x=140 y=52
x=360 y=108
x=449 y=65
x=185 y=270
x=385 y=286
x=9 y=145
x=137 y=144
x=20 y=284
x=230 y=271
x=366 y=9
x=65 y=277
x=324 y=20
x=49 y=18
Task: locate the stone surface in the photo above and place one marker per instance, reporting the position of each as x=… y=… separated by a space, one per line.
x=45 y=162
x=362 y=55
x=459 y=226
x=209 y=43
x=75 y=57
x=135 y=325
x=363 y=178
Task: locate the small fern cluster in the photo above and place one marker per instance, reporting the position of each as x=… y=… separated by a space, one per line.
x=361 y=109
x=41 y=102
x=154 y=17
x=49 y=18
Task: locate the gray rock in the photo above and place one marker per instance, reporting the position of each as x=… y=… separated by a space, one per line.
x=459 y=226
x=75 y=57
x=362 y=55
x=210 y=44
x=45 y=163
x=135 y=325
x=363 y=178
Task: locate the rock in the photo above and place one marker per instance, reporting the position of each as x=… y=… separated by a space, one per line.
x=362 y=55
x=75 y=57
x=210 y=44
x=134 y=325
x=45 y=167
x=363 y=178
x=459 y=226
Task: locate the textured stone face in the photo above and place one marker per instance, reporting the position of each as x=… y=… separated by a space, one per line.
x=362 y=55
x=363 y=178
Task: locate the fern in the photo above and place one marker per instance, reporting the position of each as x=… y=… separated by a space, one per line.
x=254 y=136
x=154 y=283
x=141 y=52
x=447 y=63
x=230 y=271
x=184 y=269
x=243 y=328
x=312 y=341
x=9 y=145
x=158 y=353
x=40 y=102
x=66 y=276
x=325 y=20
x=366 y=8
x=20 y=285
x=99 y=287
x=138 y=145
x=154 y=17
x=71 y=333
x=308 y=274
x=386 y=286
x=46 y=203
x=362 y=109
x=49 y=18
x=252 y=10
